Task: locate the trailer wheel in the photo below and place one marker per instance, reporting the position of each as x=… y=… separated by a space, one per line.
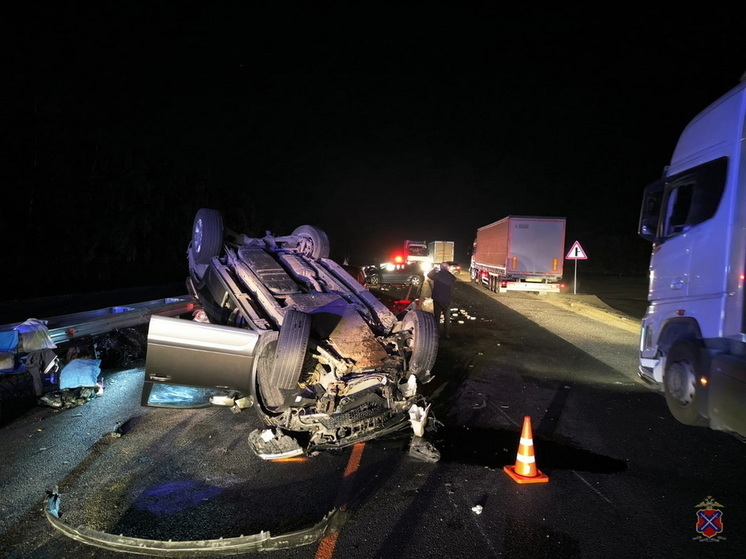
x=207 y=236
x=282 y=364
x=423 y=343
x=684 y=365
x=315 y=241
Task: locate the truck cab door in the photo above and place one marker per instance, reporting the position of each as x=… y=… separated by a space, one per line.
x=671 y=258
x=689 y=254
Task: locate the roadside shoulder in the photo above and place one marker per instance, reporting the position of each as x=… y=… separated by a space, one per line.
x=589 y=306
x=593 y=307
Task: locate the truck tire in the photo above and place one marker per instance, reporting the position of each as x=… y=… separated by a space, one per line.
x=684 y=365
x=207 y=236
x=316 y=242
x=423 y=343
x=282 y=364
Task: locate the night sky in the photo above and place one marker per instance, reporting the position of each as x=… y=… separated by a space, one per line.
x=377 y=122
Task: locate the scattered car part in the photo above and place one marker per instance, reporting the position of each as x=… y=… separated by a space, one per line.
x=263 y=541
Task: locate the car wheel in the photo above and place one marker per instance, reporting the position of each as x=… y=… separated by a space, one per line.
x=207 y=236
x=374 y=280
x=316 y=243
x=684 y=365
x=415 y=281
x=278 y=377
x=423 y=343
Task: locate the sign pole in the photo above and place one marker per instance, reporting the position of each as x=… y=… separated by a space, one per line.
x=575 y=279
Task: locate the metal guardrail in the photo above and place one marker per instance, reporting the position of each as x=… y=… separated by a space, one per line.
x=65 y=328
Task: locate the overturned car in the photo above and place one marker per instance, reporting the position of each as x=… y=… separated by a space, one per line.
x=287 y=331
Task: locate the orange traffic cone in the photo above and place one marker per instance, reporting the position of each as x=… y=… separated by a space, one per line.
x=525 y=470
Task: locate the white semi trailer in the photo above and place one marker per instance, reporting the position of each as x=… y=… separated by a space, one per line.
x=520 y=253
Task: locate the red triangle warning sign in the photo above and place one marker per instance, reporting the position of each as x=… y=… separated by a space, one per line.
x=576 y=252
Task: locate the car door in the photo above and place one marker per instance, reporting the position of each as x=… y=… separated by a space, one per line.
x=184 y=357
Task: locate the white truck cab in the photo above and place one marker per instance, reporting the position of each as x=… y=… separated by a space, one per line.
x=693 y=335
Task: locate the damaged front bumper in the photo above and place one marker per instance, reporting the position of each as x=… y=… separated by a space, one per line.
x=263 y=541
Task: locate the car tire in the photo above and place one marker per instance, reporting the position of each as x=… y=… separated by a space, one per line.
x=278 y=377
x=207 y=236
x=423 y=344
x=684 y=365
x=415 y=281
x=316 y=241
x=374 y=280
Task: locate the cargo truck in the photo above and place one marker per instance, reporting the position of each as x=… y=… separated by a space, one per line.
x=440 y=251
x=416 y=251
x=520 y=253
x=693 y=334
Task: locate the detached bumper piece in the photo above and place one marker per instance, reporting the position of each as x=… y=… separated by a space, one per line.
x=263 y=541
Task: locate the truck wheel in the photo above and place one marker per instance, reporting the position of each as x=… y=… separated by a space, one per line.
x=207 y=236
x=316 y=243
x=423 y=343
x=279 y=371
x=684 y=365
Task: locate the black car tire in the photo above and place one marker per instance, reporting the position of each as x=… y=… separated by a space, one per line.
x=415 y=281
x=374 y=280
x=207 y=236
x=423 y=344
x=684 y=366
x=316 y=240
x=278 y=377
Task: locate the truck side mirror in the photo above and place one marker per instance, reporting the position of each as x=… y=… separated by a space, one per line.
x=650 y=211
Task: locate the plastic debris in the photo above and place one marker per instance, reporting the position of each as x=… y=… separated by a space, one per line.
x=423 y=450
x=418 y=419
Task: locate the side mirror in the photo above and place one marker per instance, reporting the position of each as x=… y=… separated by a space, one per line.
x=650 y=211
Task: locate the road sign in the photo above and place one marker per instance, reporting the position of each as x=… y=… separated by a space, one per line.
x=576 y=252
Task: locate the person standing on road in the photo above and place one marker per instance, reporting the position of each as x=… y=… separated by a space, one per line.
x=442 y=282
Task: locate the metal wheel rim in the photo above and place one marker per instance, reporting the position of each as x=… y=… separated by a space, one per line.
x=198 y=233
x=680 y=383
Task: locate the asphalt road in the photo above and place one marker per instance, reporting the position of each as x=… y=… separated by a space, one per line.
x=625 y=478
